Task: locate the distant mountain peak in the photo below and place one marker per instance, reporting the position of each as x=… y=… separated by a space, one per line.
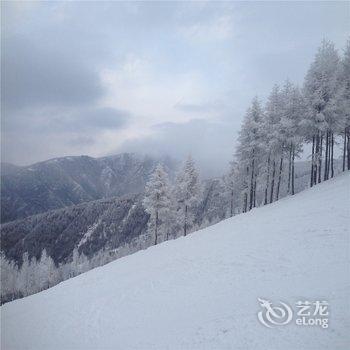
x=64 y=181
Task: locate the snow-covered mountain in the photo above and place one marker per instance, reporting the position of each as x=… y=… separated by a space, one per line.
x=80 y=237
x=201 y=291
x=92 y=226
x=115 y=220
x=99 y=231
x=66 y=181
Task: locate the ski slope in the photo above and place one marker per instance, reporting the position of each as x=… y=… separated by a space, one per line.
x=201 y=291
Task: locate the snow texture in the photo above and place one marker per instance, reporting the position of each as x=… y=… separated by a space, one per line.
x=200 y=291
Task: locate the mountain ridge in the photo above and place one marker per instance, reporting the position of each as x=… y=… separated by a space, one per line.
x=65 y=181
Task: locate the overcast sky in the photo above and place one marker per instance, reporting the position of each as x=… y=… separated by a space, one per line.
x=99 y=78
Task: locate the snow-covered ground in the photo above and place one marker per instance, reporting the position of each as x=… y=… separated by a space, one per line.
x=201 y=291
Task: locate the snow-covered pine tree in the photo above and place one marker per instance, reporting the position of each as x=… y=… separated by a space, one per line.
x=293 y=109
x=343 y=104
x=9 y=279
x=241 y=180
x=273 y=142
x=242 y=168
x=248 y=153
x=158 y=203
x=320 y=88
x=231 y=184
x=187 y=193
x=215 y=203
x=46 y=270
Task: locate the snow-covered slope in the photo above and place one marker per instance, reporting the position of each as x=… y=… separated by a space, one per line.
x=201 y=291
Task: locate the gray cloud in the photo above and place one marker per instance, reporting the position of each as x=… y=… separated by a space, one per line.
x=51 y=87
x=32 y=135
x=198 y=108
x=210 y=143
x=82 y=141
x=36 y=75
x=93 y=119
x=186 y=56
x=105 y=118
x=47 y=120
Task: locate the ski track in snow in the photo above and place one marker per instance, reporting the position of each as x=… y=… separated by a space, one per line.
x=200 y=291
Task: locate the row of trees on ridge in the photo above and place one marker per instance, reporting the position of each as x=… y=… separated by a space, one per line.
x=318 y=114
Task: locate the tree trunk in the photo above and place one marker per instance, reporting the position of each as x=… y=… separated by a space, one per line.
x=348 y=146
x=316 y=158
x=344 y=149
x=325 y=175
x=267 y=179
x=279 y=179
x=329 y=156
x=312 y=162
x=332 y=156
x=320 y=159
x=254 y=194
x=273 y=181
x=185 y=225
x=289 y=167
x=156 y=229
x=293 y=173
x=231 y=207
x=245 y=203
x=252 y=185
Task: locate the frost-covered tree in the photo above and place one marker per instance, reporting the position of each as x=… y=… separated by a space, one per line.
x=158 y=203
x=249 y=152
x=27 y=277
x=215 y=202
x=291 y=117
x=320 y=123
x=46 y=270
x=293 y=108
x=187 y=192
x=230 y=181
x=9 y=278
x=343 y=104
x=273 y=143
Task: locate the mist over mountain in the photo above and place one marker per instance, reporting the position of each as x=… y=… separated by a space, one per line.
x=8 y=168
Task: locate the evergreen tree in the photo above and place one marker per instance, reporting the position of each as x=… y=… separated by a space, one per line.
x=273 y=141
x=230 y=184
x=320 y=89
x=218 y=200
x=187 y=193
x=158 y=203
x=293 y=108
x=343 y=104
x=46 y=270
x=248 y=153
